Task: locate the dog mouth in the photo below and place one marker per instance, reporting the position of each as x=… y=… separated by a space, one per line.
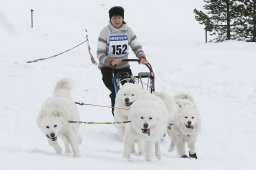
x=146 y=131
x=128 y=103
x=189 y=126
x=52 y=138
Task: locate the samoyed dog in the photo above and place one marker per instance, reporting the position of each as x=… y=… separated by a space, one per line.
x=148 y=116
x=125 y=97
x=185 y=127
x=54 y=117
x=170 y=104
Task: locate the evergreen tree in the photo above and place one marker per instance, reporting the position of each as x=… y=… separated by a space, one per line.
x=249 y=19
x=246 y=22
x=202 y=18
x=220 y=19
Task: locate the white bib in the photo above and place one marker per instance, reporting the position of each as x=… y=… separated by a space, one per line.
x=118 y=45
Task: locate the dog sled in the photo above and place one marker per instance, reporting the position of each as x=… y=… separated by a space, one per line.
x=145 y=79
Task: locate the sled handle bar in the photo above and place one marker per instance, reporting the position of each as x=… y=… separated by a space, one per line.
x=150 y=69
x=137 y=60
x=127 y=60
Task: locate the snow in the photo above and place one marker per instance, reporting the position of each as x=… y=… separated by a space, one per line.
x=221 y=78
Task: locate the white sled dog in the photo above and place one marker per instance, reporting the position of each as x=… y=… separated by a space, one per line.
x=169 y=103
x=185 y=127
x=54 y=116
x=148 y=116
x=125 y=97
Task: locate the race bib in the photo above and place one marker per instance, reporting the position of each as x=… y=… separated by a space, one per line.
x=118 y=45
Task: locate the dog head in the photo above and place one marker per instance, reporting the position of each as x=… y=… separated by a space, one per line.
x=51 y=124
x=144 y=122
x=148 y=116
x=188 y=116
x=128 y=93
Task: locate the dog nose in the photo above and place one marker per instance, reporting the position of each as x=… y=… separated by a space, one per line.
x=126 y=100
x=52 y=135
x=189 y=122
x=145 y=125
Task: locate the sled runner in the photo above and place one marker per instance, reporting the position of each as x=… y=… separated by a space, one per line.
x=145 y=79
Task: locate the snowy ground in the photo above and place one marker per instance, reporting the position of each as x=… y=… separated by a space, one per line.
x=221 y=77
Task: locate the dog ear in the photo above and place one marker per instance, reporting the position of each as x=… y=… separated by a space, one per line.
x=179 y=105
x=56 y=113
x=41 y=114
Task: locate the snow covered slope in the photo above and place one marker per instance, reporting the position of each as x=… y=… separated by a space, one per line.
x=221 y=77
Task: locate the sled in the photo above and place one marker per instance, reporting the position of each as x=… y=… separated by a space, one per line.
x=145 y=79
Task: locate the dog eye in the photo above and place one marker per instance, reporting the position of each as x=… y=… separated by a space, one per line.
x=47 y=127
x=124 y=94
x=186 y=117
x=192 y=117
x=150 y=118
x=142 y=117
x=132 y=94
x=55 y=126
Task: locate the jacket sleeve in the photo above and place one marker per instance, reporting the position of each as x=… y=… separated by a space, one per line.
x=135 y=45
x=102 y=48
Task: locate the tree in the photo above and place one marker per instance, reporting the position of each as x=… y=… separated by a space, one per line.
x=249 y=19
x=220 y=18
x=202 y=18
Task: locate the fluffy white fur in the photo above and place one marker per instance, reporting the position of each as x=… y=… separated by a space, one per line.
x=54 y=116
x=169 y=103
x=125 y=97
x=148 y=116
x=185 y=127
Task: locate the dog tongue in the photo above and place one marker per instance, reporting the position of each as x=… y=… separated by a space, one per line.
x=189 y=126
x=146 y=131
x=128 y=103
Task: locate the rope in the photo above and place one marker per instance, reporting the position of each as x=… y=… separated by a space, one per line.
x=89 y=49
x=83 y=104
x=101 y=123
x=53 y=56
x=41 y=59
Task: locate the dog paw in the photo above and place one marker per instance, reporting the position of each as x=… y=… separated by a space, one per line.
x=184 y=156
x=193 y=155
x=76 y=155
x=67 y=151
x=133 y=149
x=158 y=156
x=149 y=159
x=80 y=140
x=58 y=152
x=171 y=148
x=140 y=153
x=126 y=156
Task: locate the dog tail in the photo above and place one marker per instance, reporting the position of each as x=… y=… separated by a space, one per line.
x=183 y=99
x=63 y=88
x=168 y=101
x=160 y=94
x=167 y=98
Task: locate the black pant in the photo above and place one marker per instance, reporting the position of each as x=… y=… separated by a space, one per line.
x=107 y=77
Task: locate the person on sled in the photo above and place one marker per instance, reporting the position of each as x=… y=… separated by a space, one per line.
x=112 y=48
